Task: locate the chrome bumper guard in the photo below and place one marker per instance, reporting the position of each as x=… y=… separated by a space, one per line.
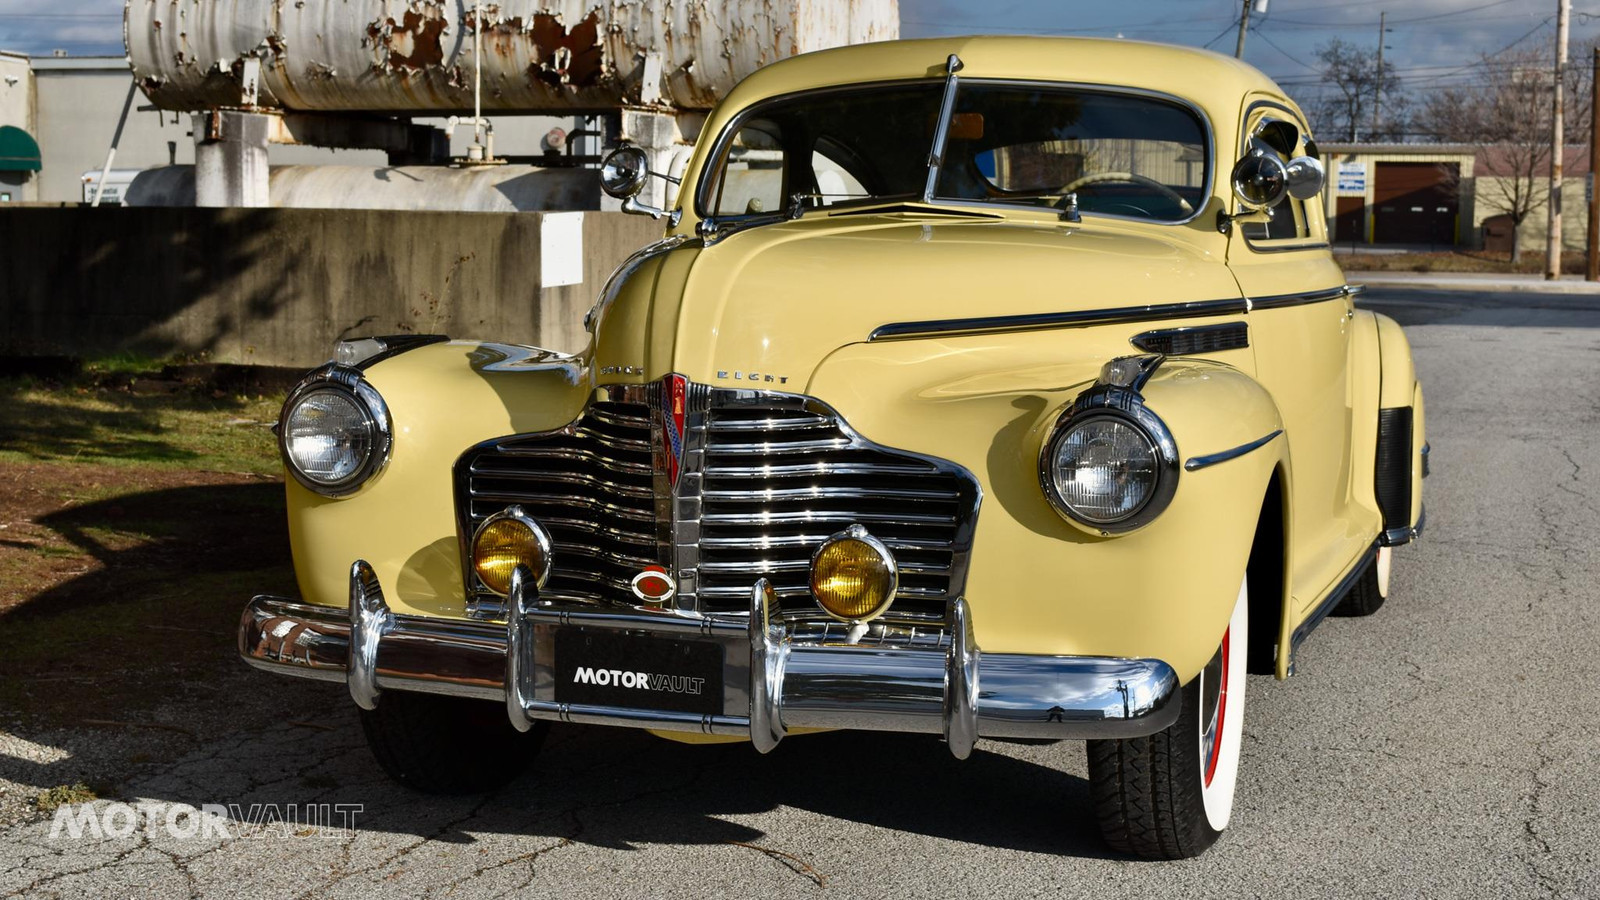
x=772 y=684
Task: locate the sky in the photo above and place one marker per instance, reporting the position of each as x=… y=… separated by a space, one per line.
x=1433 y=43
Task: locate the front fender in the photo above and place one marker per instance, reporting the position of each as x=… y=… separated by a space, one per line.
x=1037 y=584
x=442 y=398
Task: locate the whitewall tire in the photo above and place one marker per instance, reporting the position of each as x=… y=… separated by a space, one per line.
x=1170 y=795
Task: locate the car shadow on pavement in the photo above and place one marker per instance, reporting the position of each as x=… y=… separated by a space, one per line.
x=127 y=678
x=623 y=789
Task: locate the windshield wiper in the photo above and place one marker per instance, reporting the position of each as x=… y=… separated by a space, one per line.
x=947 y=109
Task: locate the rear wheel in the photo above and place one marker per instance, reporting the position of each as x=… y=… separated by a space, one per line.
x=1368 y=594
x=448 y=745
x=1170 y=795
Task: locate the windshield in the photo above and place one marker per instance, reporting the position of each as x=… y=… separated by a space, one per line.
x=1027 y=144
x=829 y=147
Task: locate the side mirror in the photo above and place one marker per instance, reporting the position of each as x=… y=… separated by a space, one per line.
x=622 y=175
x=1260 y=180
x=623 y=172
x=1306 y=177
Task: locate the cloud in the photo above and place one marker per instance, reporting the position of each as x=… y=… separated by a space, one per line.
x=81 y=27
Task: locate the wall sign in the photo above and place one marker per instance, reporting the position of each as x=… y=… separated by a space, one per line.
x=1352 y=178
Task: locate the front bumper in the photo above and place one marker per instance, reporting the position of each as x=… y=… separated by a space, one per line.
x=772 y=683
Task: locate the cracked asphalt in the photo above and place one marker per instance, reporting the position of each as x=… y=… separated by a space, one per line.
x=1446 y=747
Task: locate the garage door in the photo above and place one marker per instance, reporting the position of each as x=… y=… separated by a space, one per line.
x=1416 y=203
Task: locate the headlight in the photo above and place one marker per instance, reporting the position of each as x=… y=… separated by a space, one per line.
x=1111 y=472
x=854 y=576
x=508 y=539
x=335 y=431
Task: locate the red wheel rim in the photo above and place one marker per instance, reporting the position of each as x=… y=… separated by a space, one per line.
x=1214 y=744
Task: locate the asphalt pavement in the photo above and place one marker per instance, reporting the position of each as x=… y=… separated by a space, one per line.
x=1446 y=747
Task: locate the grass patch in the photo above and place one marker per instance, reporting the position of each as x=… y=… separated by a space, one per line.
x=61 y=795
x=81 y=421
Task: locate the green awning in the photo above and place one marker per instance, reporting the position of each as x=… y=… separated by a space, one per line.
x=19 y=152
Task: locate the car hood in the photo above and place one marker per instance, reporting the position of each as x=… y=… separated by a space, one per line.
x=768 y=304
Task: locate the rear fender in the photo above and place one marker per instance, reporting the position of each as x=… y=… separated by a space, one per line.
x=1398 y=455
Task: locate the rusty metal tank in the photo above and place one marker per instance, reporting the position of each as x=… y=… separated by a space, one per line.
x=403 y=56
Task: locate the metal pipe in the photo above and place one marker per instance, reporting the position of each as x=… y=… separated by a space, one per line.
x=122 y=120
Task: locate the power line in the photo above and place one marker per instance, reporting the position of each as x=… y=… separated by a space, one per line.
x=1444 y=15
x=1286 y=54
x=1231 y=25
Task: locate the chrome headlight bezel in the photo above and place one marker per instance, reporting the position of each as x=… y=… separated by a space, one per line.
x=347 y=382
x=1127 y=406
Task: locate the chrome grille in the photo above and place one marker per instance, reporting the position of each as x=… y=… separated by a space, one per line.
x=592 y=485
x=782 y=474
x=766 y=479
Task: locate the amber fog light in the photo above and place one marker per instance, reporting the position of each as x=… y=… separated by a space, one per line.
x=853 y=576
x=506 y=540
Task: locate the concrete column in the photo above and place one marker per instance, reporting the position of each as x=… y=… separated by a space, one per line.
x=230 y=158
x=658 y=135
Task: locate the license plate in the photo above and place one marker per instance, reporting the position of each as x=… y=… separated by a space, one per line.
x=632 y=671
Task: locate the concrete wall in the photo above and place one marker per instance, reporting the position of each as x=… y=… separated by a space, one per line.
x=280 y=286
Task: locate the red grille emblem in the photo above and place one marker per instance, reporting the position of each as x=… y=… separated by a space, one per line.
x=653 y=585
x=674 y=399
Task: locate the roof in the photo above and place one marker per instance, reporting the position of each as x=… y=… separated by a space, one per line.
x=1398 y=149
x=19 y=152
x=1210 y=80
x=59 y=63
x=1489 y=160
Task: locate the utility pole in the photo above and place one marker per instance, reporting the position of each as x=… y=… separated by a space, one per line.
x=1552 y=253
x=1377 y=84
x=1594 y=187
x=1244 y=25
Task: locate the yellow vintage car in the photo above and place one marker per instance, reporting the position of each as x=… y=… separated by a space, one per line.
x=990 y=388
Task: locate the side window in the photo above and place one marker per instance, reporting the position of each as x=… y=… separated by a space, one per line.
x=753 y=178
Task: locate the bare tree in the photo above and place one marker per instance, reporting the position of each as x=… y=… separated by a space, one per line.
x=1352 y=82
x=1506 y=112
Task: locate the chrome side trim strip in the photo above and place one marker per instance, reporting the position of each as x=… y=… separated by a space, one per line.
x=1200 y=462
x=1087 y=317
x=1280 y=301
x=1067 y=319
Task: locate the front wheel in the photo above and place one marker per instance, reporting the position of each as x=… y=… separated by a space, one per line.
x=1169 y=795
